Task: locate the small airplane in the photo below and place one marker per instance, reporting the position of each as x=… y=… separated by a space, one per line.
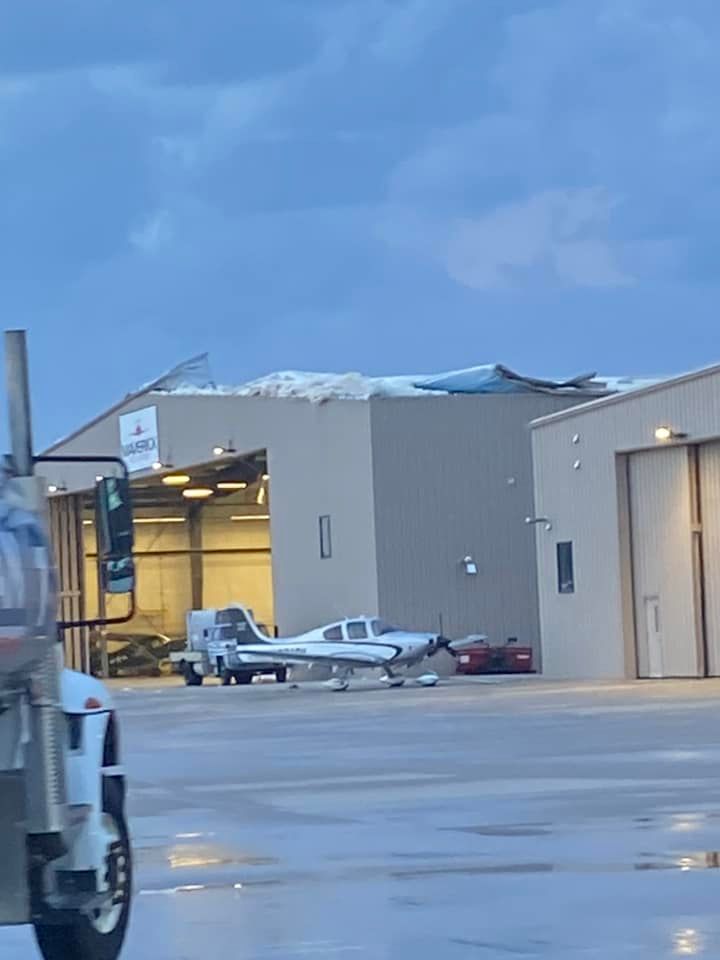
x=360 y=642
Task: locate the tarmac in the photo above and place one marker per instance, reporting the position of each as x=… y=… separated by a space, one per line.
x=477 y=819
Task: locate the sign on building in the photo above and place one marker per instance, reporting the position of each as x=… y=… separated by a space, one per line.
x=139 y=438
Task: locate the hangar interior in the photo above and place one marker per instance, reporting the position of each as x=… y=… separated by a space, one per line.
x=202 y=539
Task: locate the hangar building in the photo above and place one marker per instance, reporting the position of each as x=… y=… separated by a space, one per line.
x=311 y=497
x=629 y=550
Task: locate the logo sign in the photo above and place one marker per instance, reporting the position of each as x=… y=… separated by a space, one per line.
x=139 y=438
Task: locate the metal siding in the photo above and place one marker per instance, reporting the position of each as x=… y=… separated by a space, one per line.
x=441 y=471
x=662 y=558
x=710 y=516
x=320 y=463
x=583 y=635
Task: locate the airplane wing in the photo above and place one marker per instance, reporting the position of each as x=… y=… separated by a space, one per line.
x=330 y=654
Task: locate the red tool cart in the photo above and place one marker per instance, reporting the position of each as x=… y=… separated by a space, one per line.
x=486 y=658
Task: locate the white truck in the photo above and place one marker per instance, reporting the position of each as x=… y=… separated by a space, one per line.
x=213 y=640
x=66 y=860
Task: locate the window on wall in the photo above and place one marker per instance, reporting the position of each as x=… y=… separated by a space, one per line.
x=325 y=537
x=565 y=567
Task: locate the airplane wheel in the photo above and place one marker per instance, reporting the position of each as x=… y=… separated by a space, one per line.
x=99 y=935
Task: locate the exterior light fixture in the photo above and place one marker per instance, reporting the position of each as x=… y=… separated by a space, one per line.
x=157 y=465
x=577 y=464
x=56 y=488
x=266 y=476
x=251 y=516
x=231 y=485
x=533 y=520
x=220 y=450
x=663 y=434
x=176 y=479
x=197 y=493
x=99 y=478
x=470 y=566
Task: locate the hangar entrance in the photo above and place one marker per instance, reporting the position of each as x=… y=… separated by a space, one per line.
x=202 y=539
x=674 y=501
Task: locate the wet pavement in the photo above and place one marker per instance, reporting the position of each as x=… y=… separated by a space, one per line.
x=484 y=820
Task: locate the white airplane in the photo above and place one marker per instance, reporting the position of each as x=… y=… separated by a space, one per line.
x=360 y=642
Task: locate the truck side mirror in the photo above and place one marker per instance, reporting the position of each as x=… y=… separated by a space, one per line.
x=113 y=511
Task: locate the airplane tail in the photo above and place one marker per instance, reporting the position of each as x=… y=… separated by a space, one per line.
x=239 y=621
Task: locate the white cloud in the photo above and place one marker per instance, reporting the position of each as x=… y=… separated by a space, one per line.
x=153 y=234
x=558 y=232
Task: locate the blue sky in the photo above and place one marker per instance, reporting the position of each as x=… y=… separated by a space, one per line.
x=382 y=185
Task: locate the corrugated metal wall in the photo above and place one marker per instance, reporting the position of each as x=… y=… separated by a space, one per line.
x=591 y=634
x=67 y=538
x=453 y=477
x=662 y=555
x=709 y=464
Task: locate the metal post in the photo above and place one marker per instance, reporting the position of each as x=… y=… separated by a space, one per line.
x=45 y=763
x=18 y=395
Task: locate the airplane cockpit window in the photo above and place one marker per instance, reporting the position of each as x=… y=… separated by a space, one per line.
x=379 y=627
x=333 y=633
x=357 y=630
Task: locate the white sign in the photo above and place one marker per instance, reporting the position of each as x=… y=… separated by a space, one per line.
x=139 y=438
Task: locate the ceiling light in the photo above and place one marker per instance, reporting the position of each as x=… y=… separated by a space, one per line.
x=197 y=493
x=159 y=520
x=176 y=479
x=231 y=485
x=260 y=498
x=252 y=516
x=87 y=523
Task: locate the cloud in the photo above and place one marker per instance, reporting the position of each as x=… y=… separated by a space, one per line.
x=556 y=233
x=153 y=234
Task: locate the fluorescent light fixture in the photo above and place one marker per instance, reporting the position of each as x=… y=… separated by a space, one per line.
x=252 y=516
x=159 y=520
x=197 y=493
x=260 y=498
x=231 y=485
x=87 y=523
x=176 y=479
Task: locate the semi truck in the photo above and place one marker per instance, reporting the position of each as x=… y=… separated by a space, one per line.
x=67 y=865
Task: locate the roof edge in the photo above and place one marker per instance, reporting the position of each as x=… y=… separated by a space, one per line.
x=582 y=408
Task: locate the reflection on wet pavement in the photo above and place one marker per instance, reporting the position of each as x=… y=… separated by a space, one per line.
x=383 y=827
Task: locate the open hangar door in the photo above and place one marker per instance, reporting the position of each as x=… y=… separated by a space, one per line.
x=202 y=539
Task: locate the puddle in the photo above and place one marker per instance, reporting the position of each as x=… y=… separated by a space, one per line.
x=505 y=830
x=185 y=856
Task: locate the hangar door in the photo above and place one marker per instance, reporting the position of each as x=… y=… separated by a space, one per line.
x=709 y=468
x=664 y=564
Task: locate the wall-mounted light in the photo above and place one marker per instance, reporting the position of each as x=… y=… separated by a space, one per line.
x=577 y=465
x=99 y=478
x=663 y=434
x=534 y=520
x=470 y=566
x=157 y=465
x=220 y=450
x=576 y=438
x=56 y=488
x=251 y=516
x=176 y=479
x=197 y=493
x=266 y=477
x=231 y=485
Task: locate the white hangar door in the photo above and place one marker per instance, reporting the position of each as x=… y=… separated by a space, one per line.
x=709 y=465
x=666 y=626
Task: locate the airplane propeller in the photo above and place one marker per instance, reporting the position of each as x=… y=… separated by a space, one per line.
x=453 y=647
